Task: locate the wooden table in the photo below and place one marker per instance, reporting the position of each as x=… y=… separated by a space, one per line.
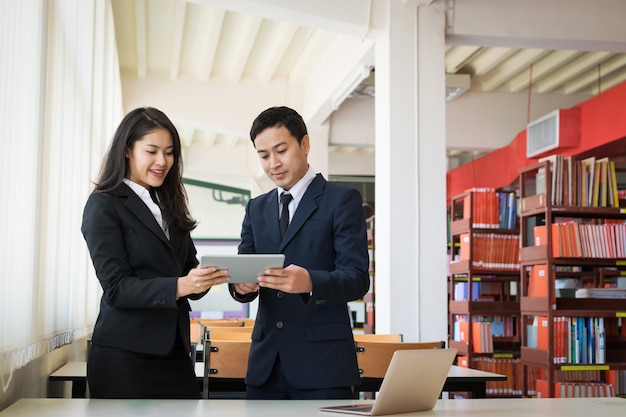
x=459 y=379
x=511 y=407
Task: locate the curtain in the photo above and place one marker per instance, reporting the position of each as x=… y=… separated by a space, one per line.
x=60 y=103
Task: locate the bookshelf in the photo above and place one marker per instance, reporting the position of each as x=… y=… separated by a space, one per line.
x=572 y=253
x=483 y=306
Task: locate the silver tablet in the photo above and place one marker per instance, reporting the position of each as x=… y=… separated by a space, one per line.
x=244 y=267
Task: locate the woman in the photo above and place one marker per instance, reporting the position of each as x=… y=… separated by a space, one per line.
x=137 y=227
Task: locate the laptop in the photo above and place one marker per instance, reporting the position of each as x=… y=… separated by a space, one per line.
x=413 y=382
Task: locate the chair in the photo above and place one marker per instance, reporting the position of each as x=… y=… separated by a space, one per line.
x=221 y=322
x=198 y=326
x=247 y=322
x=374 y=357
x=226 y=361
x=384 y=337
x=220 y=333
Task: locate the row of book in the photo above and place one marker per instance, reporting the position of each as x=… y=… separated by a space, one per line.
x=490 y=251
x=509 y=366
x=589 y=182
x=614 y=377
x=485 y=290
x=577 y=389
x=491 y=209
x=595 y=383
x=576 y=340
x=601 y=293
x=576 y=240
x=537 y=383
x=481 y=335
x=483 y=331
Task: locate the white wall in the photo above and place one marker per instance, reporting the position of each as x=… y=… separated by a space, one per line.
x=487 y=121
x=474 y=121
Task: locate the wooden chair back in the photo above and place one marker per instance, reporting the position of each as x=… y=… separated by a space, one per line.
x=226 y=359
x=221 y=322
x=375 y=337
x=198 y=328
x=374 y=357
x=238 y=333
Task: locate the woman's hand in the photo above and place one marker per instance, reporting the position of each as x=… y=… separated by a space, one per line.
x=244 y=288
x=200 y=280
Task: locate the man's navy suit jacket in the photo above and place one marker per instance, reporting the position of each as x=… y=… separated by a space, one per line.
x=311 y=333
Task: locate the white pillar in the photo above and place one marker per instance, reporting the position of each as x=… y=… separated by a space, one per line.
x=410 y=173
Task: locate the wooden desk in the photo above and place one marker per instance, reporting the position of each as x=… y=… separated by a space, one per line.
x=470 y=380
x=459 y=379
x=511 y=407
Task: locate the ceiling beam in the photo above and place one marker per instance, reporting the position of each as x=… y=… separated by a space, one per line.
x=351 y=17
x=563 y=75
x=458 y=56
x=280 y=39
x=177 y=41
x=591 y=78
x=141 y=35
x=490 y=58
x=518 y=62
x=555 y=24
x=214 y=19
x=247 y=27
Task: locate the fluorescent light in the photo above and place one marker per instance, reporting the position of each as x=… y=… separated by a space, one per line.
x=456 y=85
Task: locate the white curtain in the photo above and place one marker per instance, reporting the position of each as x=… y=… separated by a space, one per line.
x=60 y=102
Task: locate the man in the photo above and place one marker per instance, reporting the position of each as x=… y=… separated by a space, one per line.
x=302 y=344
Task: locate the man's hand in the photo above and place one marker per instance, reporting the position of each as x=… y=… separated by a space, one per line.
x=294 y=279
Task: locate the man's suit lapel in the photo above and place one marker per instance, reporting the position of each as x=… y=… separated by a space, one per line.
x=270 y=213
x=305 y=209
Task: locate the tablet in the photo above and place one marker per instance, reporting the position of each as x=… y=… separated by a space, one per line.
x=244 y=268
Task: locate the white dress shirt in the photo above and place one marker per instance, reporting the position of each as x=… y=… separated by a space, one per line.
x=144 y=194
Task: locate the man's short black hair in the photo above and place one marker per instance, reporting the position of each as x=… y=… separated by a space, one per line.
x=277 y=117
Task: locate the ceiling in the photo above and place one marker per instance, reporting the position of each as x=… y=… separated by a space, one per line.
x=202 y=42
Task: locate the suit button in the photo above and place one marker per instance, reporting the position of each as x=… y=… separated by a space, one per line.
x=280 y=294
x=279 y=324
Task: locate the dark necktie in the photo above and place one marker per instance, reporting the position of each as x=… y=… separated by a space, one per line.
x=284 y=215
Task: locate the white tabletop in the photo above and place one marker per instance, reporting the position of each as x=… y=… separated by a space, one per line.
x=512 y=407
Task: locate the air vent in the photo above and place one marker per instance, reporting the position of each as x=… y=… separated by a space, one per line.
x=553 y=132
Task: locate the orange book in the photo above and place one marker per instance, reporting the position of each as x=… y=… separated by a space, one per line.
x=463 y=331
x=613 y=379
x=464 y=253
x=542 y=333
x=538 y=283
x=542 y=388
x=558 y=240
x=462 y=361
x=541 y=235
x=482 y=339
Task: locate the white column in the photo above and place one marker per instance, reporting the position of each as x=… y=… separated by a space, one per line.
x=410 y=173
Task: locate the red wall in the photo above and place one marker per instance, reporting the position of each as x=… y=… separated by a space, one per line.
x=602 y=121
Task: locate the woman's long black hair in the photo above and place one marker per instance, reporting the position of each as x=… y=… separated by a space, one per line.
x=115 y=166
